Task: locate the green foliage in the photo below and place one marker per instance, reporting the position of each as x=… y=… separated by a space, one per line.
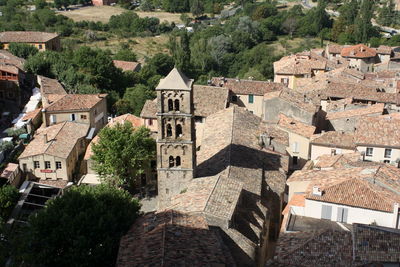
x=5 y=146
x=81 y=228
x=22 y=50
x=125 y=54
x=123 y=153
x=363 y=30
x=8 y=198
x=394 y=41
x=197 y=8
x=13 y=132
x=387 y=13
x=136 y=97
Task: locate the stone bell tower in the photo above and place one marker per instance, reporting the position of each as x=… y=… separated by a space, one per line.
x=176 y=158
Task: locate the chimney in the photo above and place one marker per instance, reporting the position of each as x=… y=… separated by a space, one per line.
x=316 y=191
x=45 y=138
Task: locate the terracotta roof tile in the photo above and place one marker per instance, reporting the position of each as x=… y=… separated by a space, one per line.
x=32 y=114
x=295 y=126
x=384 y=50
x=335 y=161
x=388 y=134
x=7 y=58
x=376 y=109
x=247 y=87
x=135 y=121
x=126 y=65
x=334 y=49
x=302 y=101
x=358 y=51
x=334 y=139
x=171 y=238
x=75 y=102
x=50 y=86
x=9 y=170
x=209 y=99
x=61 y=139
x=149 y=109
x=26 y=37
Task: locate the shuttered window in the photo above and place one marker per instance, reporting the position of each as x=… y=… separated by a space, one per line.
x=326 y=212
x=342 y=215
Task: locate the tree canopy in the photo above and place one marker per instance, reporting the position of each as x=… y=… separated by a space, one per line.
x=81 y=228
x=22 y=50
x=123 y=153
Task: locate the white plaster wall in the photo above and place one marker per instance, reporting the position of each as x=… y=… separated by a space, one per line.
x=297 y=187
x=317 y=151
x=355 y=215
x=378 y=154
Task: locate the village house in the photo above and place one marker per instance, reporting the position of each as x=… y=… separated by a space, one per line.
x=384 y=53
x=332 y=51
x=54 y=152
x=247 y=93
x=345 y=118
x=332 y=143
x=360 y=57
x=378 y=138
x=368 y=194
x=88 y=109
x=319 y=243
x=299 y=140
x=293 y=70
x=149 y=177
x=293 y=104
x=41 y=40
x=11 y=174
x=127 y=65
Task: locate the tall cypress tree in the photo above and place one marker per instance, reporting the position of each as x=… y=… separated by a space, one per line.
x=363 y=25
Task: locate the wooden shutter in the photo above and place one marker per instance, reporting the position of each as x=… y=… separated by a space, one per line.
x=326 y=212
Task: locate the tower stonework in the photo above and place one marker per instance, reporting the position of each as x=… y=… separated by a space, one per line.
x=176 y=158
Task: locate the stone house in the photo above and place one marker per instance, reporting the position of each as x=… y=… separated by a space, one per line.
x=247 y=93
x=360 y=57
x=12 y=174
x=384 y=53
x=332 y=51
x=291 y=70
x=345 y=119
x=41 y=40
x=88 y=109
x=299 y=140
x=54 y=152
x=368 y=194
x=293 y=104
x=332 y=143
x=378 y=138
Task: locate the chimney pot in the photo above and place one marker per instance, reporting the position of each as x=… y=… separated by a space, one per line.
x=45 y=138
x=317 y=191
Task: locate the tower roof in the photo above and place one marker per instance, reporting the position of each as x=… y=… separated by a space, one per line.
x=175 y=80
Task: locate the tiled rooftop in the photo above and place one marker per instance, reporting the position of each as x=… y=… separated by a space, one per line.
x=9 y=170
x=50 y=86
x=26 y=37
x=358 y=51
x=75 y=102
x=334 y=139
x=209 y=99
x=7 y=58
x=295 y=126
x=376 y=109
x=296 y=98
x=171 y=238
x=388 y=134
x=126 y=65
x=246 y=87
x=61 y=139
x=149 y=109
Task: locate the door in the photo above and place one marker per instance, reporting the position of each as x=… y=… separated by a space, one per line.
x=326 y=212
x=342 y=215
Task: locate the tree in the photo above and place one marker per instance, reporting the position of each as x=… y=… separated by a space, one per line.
x=290 y=26
x=123 y=153
x=387 y=14
x=264 y=11
x=137 y=96
x=83 y=228
x=22 y=50
x=8 y=198
x=363 y=25
x=125 y=54
x=197 y=8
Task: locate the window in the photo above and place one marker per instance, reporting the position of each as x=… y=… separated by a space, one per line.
x=40 y=46
x=386 y=161
x=47 y=165
x=83 y=117
x=178 y=130
x=170 y=105
x=72 y=117
x=178 y=161
x=169 y=130
x=251 y=99
x=369 y=151
x=234 y=98
x=388 y=153
x=176 y=105
x=295 y=147
x=342 y=214
x=326 y=212
x=53 y=119
x=36 y=164
x=171 y=161
x=58 y=165
x=150 y=122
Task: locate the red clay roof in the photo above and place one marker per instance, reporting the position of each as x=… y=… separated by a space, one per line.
x=358 y=51
x=126 y=65
x=76 y=102
x=26 y=37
